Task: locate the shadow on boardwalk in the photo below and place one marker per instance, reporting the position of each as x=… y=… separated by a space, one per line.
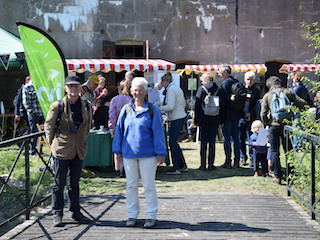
x=181 y=216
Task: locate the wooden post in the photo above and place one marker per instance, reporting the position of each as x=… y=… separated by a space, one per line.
x=147 y=49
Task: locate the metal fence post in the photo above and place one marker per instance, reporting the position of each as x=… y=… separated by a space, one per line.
x=313 y=180
x=27 y=181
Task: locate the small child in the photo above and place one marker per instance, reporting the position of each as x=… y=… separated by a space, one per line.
x=259 y=152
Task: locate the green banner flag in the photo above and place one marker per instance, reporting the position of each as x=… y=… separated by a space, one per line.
x=46 y=64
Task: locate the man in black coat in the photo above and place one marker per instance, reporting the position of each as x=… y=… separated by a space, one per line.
x=253 y=95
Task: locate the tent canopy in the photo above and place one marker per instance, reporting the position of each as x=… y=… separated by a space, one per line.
x=258 y=68
x=9 y=43
x=118 y=65
x=11 y=49
x=288 y=68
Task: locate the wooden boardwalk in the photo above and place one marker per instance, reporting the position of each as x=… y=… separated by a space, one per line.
x=181 y=216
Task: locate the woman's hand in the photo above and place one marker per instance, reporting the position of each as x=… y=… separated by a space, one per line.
x=160 y=160
x=119 y=158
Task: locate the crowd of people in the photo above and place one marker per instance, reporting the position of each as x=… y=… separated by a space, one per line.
x=136 y=127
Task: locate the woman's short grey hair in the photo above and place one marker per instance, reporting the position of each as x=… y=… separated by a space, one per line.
x=249 y=75
x=140 y=81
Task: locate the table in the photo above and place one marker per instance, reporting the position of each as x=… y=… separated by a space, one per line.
x=99 y=150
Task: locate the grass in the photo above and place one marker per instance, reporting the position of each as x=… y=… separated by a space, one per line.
x=196 y=181
x=100 y=181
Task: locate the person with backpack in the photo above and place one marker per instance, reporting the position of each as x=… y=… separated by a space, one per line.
x=140 y=144
x=249 y=110
x=208 y=96
x=67 y=127
x=235 y=94
x=273 y=113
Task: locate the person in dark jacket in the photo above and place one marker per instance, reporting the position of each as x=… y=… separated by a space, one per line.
x=208 y=124
x=275 y=131
x=230 y=127
x=253 y=95
x=20 y=113
x=300 y=89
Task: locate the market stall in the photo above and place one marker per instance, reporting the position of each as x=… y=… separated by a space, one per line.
x=289 y=68
x=117 y=65
x=258 y=68
x=308 y=70
x=99 y=150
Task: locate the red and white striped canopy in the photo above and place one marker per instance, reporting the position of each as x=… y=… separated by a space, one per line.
x=258 y=68
x=287 y=68
x=118 y=65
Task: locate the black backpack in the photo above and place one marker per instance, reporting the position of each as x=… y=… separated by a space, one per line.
x=238 y=95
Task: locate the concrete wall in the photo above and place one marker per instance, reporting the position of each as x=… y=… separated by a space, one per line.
x=211 y=32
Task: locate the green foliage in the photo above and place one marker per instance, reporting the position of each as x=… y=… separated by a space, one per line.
x=306 y=122
x=313 y=34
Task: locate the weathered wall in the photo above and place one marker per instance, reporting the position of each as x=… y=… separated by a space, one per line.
x=211 y=32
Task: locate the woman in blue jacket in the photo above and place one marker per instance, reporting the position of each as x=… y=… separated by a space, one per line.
x=140 y=144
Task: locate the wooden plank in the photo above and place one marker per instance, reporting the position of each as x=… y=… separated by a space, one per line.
x=183 y=216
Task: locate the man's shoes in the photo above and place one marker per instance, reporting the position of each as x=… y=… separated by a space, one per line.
x=57 y=221
x=150 y=223
x=78 y=216
x=131 y=222
x=212 y=168
x=202 y=168
x=277 y=180
x=185 y=169
x=236 y=165
x=173 y=172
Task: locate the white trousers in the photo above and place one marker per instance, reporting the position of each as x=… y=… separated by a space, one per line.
x=146 y=168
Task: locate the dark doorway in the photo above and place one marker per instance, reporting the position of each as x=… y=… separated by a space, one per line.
x=273 y=67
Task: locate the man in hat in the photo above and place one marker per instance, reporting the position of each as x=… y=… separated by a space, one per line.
x=88 y=88
x=67 y=126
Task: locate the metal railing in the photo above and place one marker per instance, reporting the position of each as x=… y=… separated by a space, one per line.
x=29 y=199
x=303 y=168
